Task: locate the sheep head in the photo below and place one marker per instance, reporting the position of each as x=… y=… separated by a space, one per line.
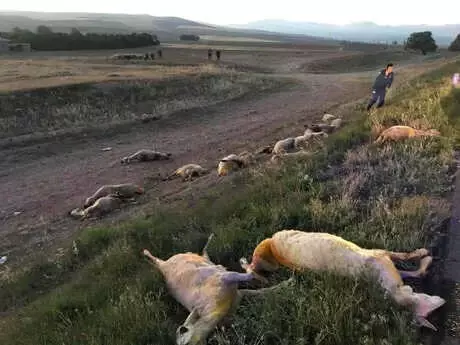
x=196 y=327
x=223 y=168
x=425 y=305
x=192 y=332
x=89 y=201
x=262 y=260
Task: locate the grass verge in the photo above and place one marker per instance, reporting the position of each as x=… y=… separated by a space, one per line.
x=101 y=291
x=91 y=105
x=357 y=62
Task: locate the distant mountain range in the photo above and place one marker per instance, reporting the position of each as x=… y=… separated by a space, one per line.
x=362 y=31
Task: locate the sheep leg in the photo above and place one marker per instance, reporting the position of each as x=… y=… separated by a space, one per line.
x=205 y=248
x=404 y=256
x=258 y=292
x=424 y=264
x=157 y=262
x=380 y=140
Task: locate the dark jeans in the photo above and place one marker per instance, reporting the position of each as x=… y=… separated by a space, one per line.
x=377 y=95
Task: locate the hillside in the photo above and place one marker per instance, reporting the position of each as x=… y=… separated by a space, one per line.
x=364 y=31
x=166 y=28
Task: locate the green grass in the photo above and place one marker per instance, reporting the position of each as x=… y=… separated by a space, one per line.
x=102 y=291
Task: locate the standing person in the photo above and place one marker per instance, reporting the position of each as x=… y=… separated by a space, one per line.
x=379 y=89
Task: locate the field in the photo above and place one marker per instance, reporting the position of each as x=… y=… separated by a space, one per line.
x=73 y=282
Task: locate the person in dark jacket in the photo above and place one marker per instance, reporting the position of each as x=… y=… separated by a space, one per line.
x=379 y=89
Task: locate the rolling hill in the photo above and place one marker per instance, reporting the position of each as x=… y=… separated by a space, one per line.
x=166 y=28
x=362 y=31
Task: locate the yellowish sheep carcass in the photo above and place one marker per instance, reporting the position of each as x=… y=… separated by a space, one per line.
x=398 y=133
x=301 y=251
x=208 y=291
x=188 y=172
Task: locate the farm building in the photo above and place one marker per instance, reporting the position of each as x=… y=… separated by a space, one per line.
x=4 y=45
x=7 y=46
x=19 y=47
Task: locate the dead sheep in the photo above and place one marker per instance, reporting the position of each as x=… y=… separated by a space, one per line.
x=290 y=145
x=321 y=127
x=284 y=146
x=337 y=123
x=309 y=134
x=298 y=154
x=317 y=251
x=328 y=117
x=146 y=156
x=100 y=207
x=208 y=291
x=399 y=133
x=234 y=162
x=264 y=150
x=123 y=191
x=188 y=172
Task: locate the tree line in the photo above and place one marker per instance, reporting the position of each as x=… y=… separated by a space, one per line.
x=45 y=39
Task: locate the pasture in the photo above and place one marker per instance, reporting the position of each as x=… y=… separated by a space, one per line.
x=84 y=282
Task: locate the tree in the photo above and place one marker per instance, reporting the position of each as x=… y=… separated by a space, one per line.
x=75 y=32
x=422 y=41
x=45 y=39
x=455 y=45
x=43 y=30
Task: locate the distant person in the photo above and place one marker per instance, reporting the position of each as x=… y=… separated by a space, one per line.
x=209 y=54
x=218 y=54
x=379 y=89
x=160 y=53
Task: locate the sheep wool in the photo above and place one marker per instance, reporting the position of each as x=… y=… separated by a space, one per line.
x=301 y=250
x=317 y=251
x=397 y=133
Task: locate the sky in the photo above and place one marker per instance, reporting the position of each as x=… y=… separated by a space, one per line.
x=223 y=12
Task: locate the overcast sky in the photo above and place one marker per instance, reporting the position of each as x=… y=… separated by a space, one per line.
x=392 y=12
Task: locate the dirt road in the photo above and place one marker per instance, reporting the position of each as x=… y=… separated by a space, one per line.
x=41 y=183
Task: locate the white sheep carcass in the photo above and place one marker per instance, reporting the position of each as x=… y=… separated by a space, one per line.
x=145 y=155
x=234 y=162
x=123 y=191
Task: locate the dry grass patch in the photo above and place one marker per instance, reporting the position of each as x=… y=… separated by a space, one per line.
x=22 y=75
